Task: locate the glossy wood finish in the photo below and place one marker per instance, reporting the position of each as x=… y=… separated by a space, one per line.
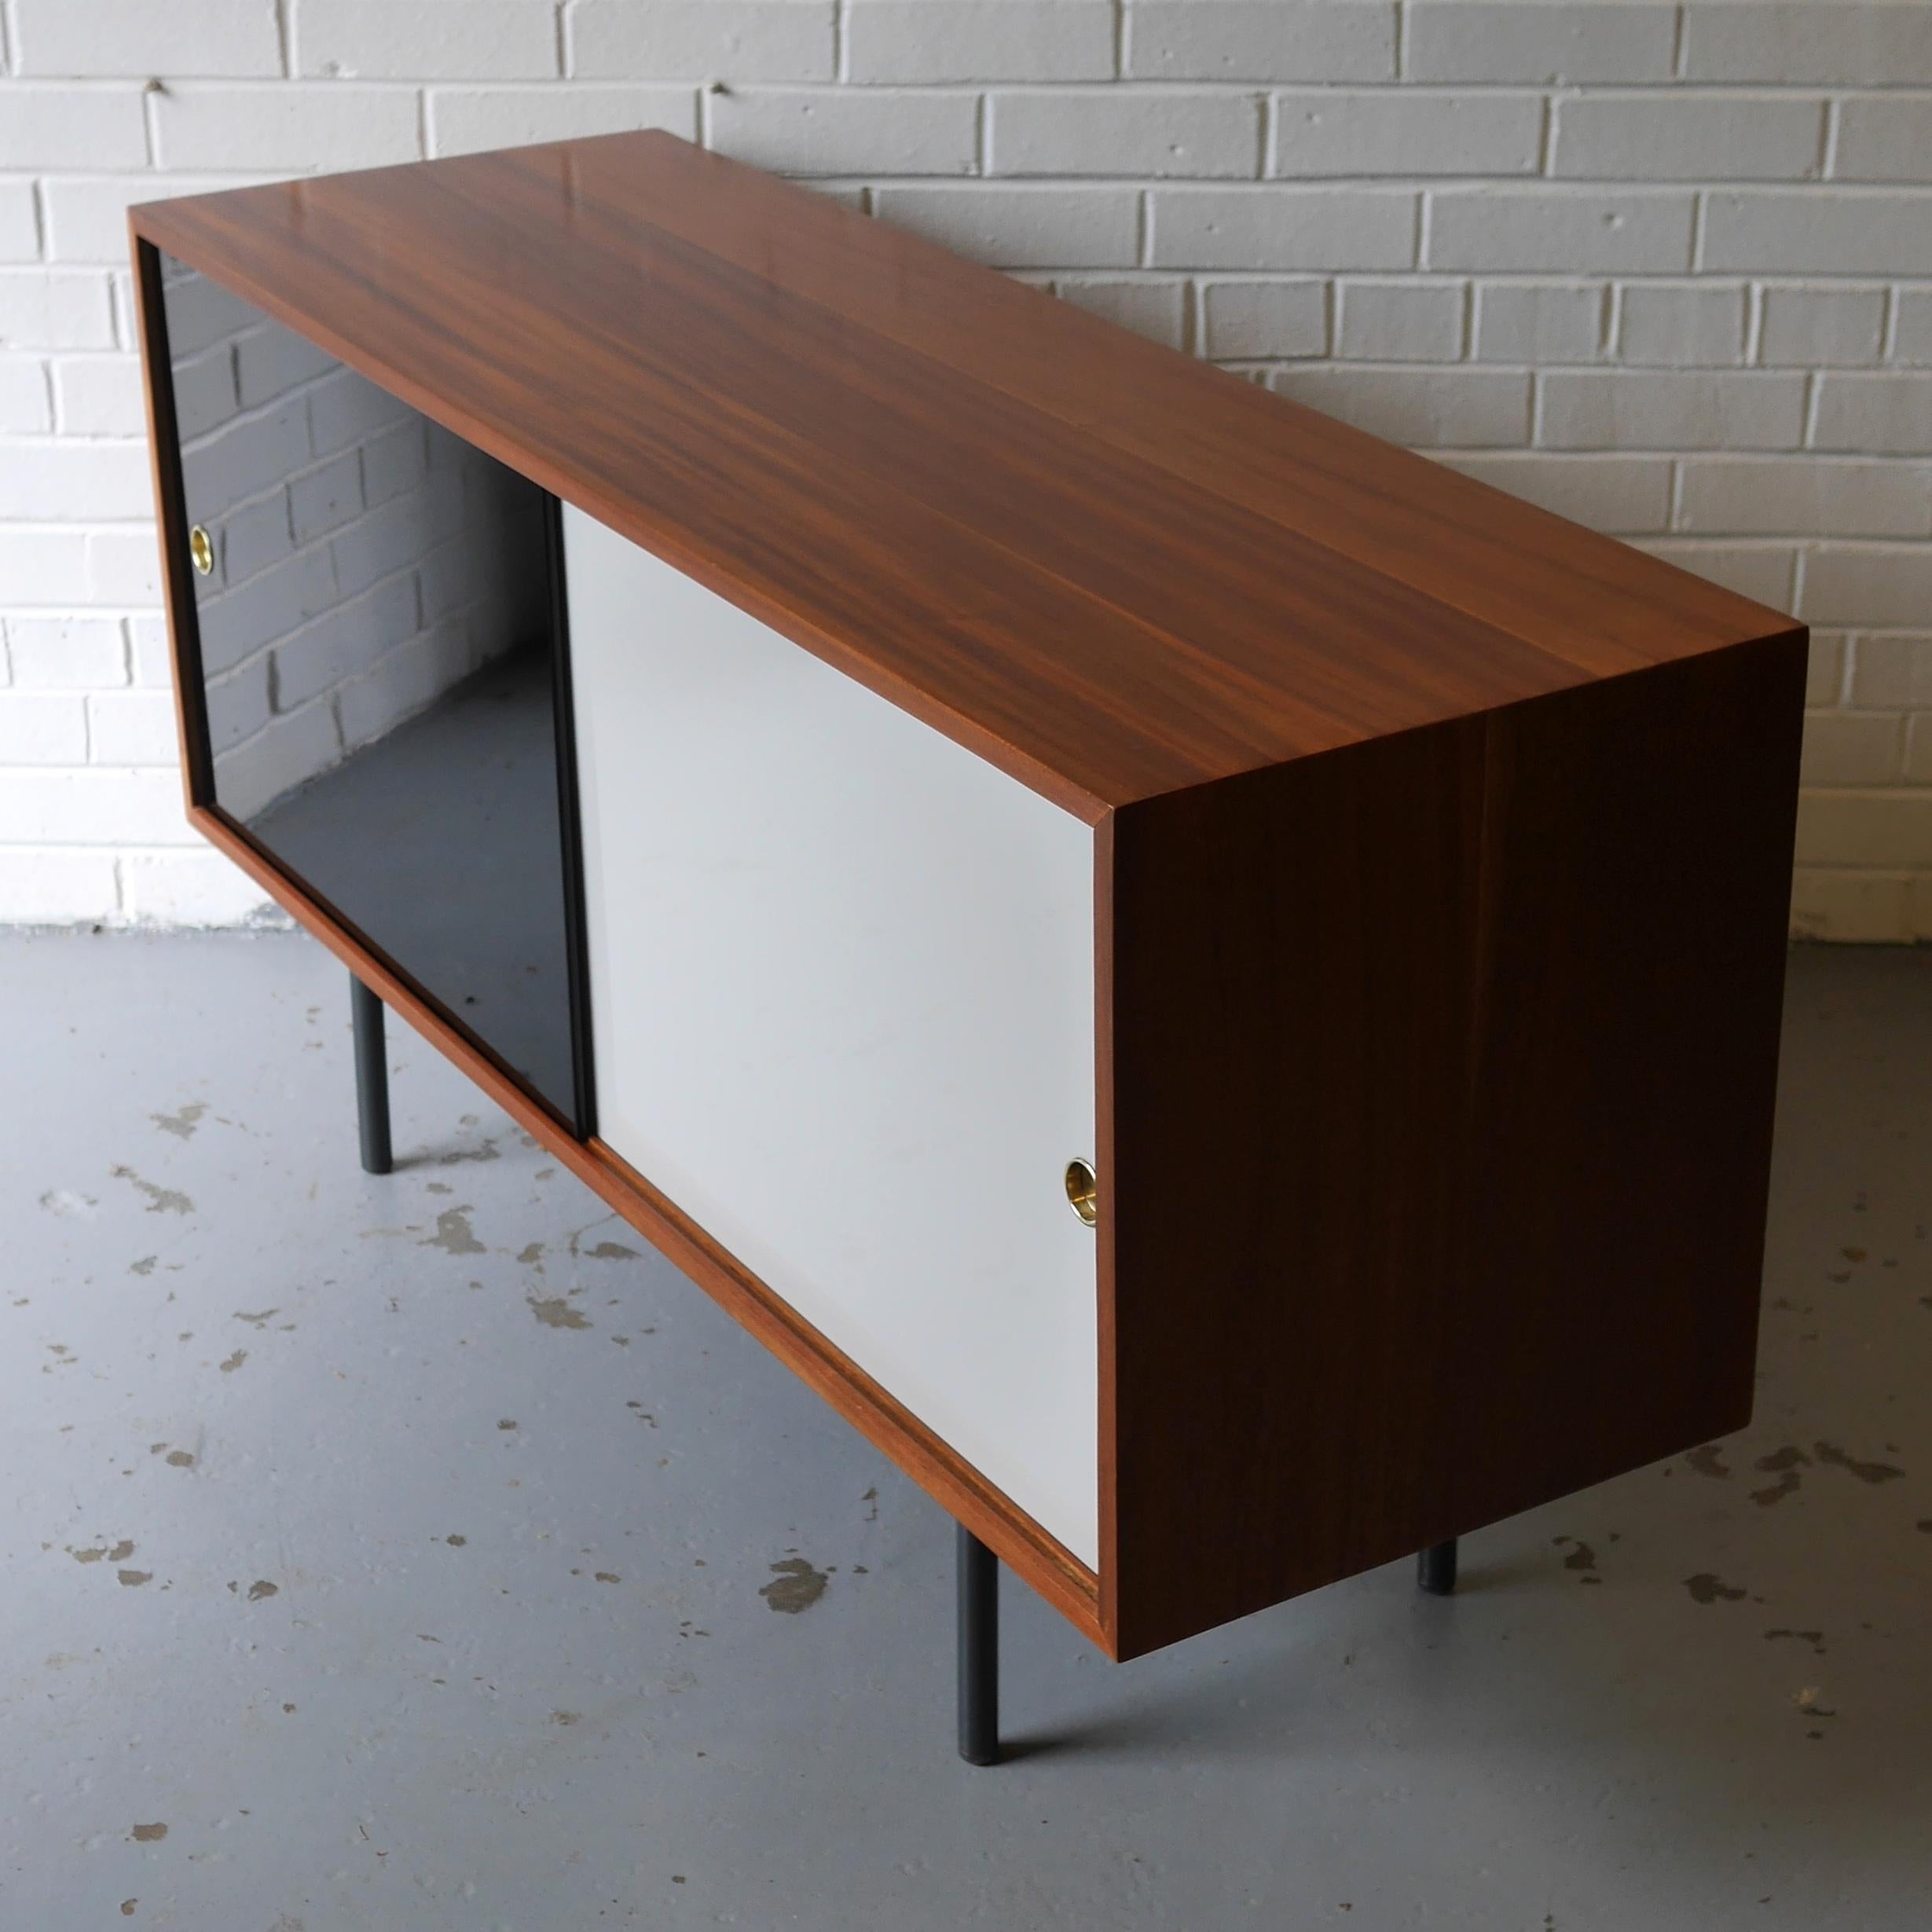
x=1110 y=570
x=1443 y=845
x=1442 y=1102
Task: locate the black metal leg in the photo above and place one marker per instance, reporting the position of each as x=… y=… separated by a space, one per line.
x=365 y=1011
x=979 y=1650
x=1435 y=1569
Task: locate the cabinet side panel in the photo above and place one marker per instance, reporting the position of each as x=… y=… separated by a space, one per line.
x=1637 y=867
x=842 y=984
x=1290 y=984
x=1485 y=1024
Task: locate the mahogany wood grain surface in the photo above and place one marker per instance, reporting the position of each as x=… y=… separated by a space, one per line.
x=1440 y=1113
x=1110 y=570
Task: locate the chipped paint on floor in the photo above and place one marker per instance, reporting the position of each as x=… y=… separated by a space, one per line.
x=404 y=1552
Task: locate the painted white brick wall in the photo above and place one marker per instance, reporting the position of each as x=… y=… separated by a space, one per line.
x=1665 y=268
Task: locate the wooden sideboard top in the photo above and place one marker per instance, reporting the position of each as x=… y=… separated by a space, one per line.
x=1112 y=571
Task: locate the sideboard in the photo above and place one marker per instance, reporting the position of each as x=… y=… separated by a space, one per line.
x=1211 y=983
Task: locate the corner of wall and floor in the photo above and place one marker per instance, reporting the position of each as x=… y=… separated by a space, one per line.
x=1667 y=268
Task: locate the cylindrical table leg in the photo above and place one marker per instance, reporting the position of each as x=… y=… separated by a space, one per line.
x=979 y=1650
x=365 y=1012
x=1435 y=1569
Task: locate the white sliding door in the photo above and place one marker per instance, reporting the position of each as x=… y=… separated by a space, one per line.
x=843 y=1006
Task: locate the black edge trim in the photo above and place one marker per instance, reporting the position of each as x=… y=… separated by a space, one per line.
x=184 y=617
x=569 y=824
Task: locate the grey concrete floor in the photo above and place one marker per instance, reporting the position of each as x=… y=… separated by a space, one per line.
x=417 y=1553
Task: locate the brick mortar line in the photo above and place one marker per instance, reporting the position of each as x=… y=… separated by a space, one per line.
x=1820 y=93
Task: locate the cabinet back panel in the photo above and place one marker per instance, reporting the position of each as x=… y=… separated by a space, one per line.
x=842 y=978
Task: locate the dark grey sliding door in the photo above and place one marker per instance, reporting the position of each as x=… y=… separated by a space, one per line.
x=381 y=663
